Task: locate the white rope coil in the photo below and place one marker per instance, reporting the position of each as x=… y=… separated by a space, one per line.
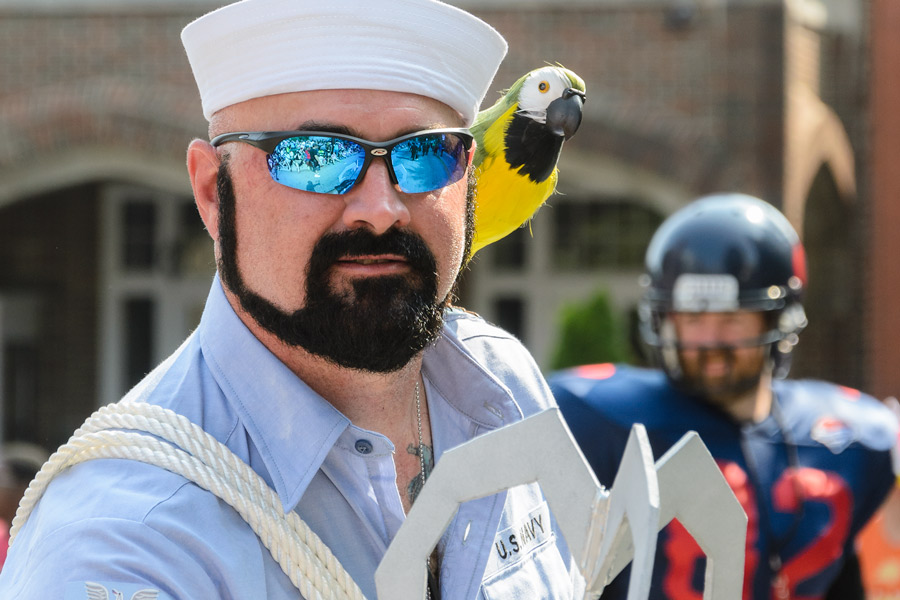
x=161 y=437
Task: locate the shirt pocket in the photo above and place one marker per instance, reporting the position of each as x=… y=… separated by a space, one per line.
x=538 y=574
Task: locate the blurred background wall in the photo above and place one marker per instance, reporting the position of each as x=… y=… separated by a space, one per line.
x=104 y=263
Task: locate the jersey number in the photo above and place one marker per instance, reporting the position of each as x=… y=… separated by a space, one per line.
x=683 y=553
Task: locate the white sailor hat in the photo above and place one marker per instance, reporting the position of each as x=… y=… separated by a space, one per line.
x=257 y=48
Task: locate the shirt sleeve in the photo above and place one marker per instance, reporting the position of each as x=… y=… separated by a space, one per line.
x=142 y=530
x=105 y=552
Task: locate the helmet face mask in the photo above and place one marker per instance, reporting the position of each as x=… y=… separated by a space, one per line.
x=718 y=356
x=724 y=254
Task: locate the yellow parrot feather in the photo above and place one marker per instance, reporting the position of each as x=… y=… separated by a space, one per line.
x=519 y=140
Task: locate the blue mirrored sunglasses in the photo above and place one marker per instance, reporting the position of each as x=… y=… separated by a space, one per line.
x=332 y=163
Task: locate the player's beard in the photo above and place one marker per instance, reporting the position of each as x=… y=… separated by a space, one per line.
x=742 y=373
x=378 y=325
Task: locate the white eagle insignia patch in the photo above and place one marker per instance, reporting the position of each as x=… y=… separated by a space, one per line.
x=96 y=591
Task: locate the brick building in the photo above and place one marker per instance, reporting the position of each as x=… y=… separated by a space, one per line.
x=104 y=265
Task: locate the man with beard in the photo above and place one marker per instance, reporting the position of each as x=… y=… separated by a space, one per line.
x=809 y=461
x=328 y=357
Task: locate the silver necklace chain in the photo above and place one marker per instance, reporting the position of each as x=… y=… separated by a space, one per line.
x=421 y=457
x=421 y=443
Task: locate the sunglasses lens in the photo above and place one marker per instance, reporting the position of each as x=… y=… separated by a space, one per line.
x=316 y=163
x=429 y=162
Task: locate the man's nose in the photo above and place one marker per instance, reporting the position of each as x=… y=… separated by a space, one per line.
x=375 y=202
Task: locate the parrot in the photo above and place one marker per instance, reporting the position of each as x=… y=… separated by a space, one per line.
x=518 y=143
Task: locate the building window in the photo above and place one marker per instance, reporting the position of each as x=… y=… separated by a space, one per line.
x=20 y=391
x=138 y=343
x=509 y=252
x=510 y=312
x=139 y=239
x=157 y=265
x=602 y=234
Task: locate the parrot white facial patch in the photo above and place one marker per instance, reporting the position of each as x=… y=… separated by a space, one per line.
x=541 y=88
x=705 y=293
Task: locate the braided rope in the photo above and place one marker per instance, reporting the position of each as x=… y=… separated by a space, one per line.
x=185 y=449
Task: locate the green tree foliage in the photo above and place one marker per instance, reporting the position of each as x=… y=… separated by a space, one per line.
x=591 y=332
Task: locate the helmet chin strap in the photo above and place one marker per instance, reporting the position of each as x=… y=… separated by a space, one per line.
x=668 y=350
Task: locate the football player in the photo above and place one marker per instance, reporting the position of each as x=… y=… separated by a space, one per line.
x=809 y=461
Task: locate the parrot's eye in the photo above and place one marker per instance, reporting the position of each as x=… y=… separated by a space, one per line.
x=544 y=87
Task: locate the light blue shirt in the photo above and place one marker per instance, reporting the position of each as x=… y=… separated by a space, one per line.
x=121 y=523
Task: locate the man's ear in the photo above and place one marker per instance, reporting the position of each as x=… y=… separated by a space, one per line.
x=203 y=169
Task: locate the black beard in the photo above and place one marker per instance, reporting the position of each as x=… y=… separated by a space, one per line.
x=724 y=393
x=377 y=326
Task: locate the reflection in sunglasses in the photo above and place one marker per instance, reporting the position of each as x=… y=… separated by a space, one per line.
x=329 y=163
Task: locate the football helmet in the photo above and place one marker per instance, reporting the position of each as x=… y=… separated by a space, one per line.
x=724 y=253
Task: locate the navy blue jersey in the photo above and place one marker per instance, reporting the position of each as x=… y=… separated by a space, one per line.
x=809 y=476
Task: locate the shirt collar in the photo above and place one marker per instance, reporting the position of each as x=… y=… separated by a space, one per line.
x=291 y=426
x=466 y=385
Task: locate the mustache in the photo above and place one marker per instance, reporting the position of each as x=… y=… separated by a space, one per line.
x=726 y=353
x=333 y=247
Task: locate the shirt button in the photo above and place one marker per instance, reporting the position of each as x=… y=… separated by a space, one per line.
x=363 y=446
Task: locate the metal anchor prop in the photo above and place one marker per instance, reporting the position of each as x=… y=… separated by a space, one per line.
x=605 y=529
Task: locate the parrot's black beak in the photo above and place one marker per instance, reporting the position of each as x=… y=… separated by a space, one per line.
x=564 y=113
